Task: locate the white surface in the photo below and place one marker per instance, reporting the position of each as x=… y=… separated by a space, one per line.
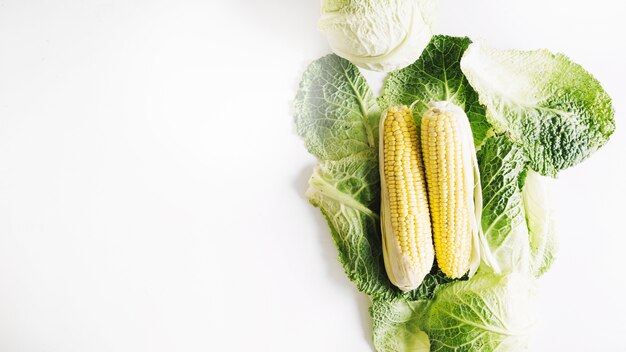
x=151 y=182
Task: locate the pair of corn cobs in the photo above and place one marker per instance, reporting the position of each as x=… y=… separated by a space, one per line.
x=428 y=185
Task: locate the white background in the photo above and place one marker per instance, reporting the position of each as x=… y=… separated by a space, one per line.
x=151 y=181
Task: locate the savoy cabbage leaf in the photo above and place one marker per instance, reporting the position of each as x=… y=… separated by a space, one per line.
x=396 y=325
x=335 y=110
x=488 y=313
x=552 y=106
x=436 y=76
x=541 y=224
x=396 y=322
x=502 y=167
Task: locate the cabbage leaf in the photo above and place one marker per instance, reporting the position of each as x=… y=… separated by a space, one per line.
x=552 y=106
x=540 y=219
x=502 y=167
x=397 y=326
x=437 y=76
x=487 y=313
x=335 y=110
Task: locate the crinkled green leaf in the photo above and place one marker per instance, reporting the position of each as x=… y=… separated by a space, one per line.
x=488 y=313
x=428 y=286
x=437 y=76
x=335 y=110
x=337 y=116
x=396 y=322
x=502 y=168
x=552 y=106
x=396 y=325
x=346 y=191
x=540 y=220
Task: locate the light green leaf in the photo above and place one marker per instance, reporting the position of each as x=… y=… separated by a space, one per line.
x=540 y=220
x=502 y=170
x=335 y=110
x=437 y=76
x=396 y=322
x=552 y=106
x=396 y=326
x=346 y=191
x=488 y=313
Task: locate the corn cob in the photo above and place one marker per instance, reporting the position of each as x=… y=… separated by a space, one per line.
x=452 y=180
x=405 y=221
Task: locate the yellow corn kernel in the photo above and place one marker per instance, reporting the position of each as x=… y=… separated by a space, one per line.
x=405 y=221
x=449 y=161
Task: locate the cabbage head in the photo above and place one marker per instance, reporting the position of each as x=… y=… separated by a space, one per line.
x=379 y=35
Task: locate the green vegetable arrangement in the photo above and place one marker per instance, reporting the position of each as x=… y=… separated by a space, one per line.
x=532 y=114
